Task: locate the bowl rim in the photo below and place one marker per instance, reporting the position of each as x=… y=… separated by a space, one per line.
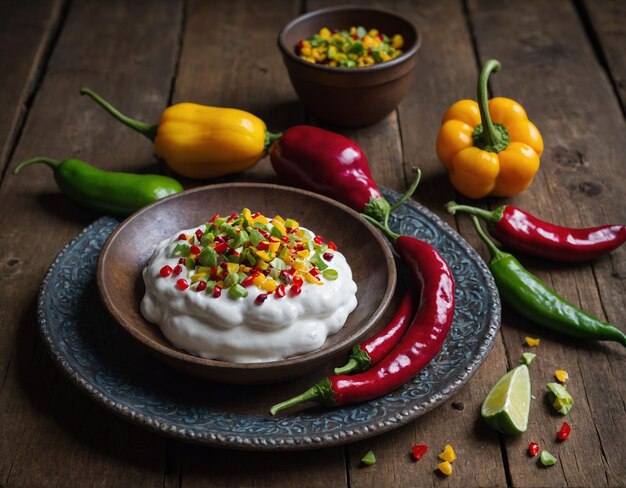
x=288 y=52
x=178 y=354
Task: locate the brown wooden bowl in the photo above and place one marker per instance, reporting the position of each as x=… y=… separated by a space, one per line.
x=350 y=97
x=129 y=247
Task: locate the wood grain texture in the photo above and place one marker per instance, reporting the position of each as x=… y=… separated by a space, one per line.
x=606 y=20
x=51 y=435
x=566 y=90
x=26 y=32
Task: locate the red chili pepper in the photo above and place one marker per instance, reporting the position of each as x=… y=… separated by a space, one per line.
x=363 y=356
x=521 y=231
x=564 y=432
x=533 y=449
x=418 y=451
x=419 y=345
x=330 y=164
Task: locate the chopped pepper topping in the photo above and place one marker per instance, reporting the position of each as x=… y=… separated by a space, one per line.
x=247 y=249
x=368 y=459
x=527 y=358
x=445 y=467
x=547 y=459
x=561 y=375
x=564 y=431
x=533 y=449
x=531 y=342
x=418 y=451
x=559 y=398
x=447 y=454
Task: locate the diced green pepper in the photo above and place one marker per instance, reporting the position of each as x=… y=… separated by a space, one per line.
x=190 y=264
x=317 y=260
x=330 y=274
x=527 y=358
x=368 y=459
x=207 y=238
x=276 y=232
x=357 y=48
x=181 y=250
x=560 y=398
x=231 y=279
x=237 y=291
x=208 y=257
x=547 y=459
x=256 y=237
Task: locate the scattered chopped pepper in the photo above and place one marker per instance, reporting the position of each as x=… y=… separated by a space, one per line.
x=547 y=459
x=527 y=358
x=559 y=398
x=447 y=454
x=533 y=449
x=368 y=459
x=561 y=375
x=418 y=451
x=531 y=342
x=445 y=467
x=564 y=432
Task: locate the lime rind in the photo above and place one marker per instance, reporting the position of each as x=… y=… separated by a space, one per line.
x=507 y=405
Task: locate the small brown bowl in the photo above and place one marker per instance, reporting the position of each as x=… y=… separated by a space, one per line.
x=129 y=247
x=350 y=97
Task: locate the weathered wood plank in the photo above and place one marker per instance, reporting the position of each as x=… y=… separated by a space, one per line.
x=26 y=31
x=51 y=434
x=607 y=19
x=555 y=75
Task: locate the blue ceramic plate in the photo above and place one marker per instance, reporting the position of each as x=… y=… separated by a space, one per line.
x=110 y=367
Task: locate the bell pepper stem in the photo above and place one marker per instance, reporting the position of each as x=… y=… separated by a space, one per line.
x=271 y=138
x=492 y=216
x=488 y=136
x=53 y=163
x=409 y=193
x=144 y=128
x=495 y=252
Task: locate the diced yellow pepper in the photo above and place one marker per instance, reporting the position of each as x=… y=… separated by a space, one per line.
x=312 y=279
x=261 y=219
x=300 y=266
x=269 y=285
x=258 y=280
x=531 y=341
x=263 y=255
x=220 y=283
x=305 y=51
x=232 y=267
x=247 y=215
x=279 y=225
x=304 y=253
x=244 y=269
x=288 y=259
x=447 y=454
x=198 y=277
x=324 y=33
x=291 y=223
x=373 y=33
x=561 y=375
x=397 y=41
x=274 y=246
x=262 y=264
x=278 y=218
x=445 y=467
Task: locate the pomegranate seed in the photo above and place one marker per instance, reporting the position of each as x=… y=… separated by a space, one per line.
x=300 y=247
x=264 y=233
x=216 y=216
x=201 y=286
x=331 y=245
x=220 y=239
x=224 y=273
x=234 y=216
x=217 y=291
x=224 y=265
x=295 y=290
x=199 y=235
x=289 y=230
x=195 y=250
x=165 y=271
x=319 y=240
x=280 y=291
x=182 y=284
x=355 y=37
x=261 y=298
x=285 y=276
x=263 y=246
x=314 y=272
x=182 y=237
x=419 y=451
x=328 y=256
x=178 y=270
x=284 y=239
x=182 y=261
x=247 y=281
x=221 y=247
x=533 y=449
x=297 y=281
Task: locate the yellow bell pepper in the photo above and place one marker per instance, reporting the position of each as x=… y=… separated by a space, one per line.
x=489 y=147
x=200 y=142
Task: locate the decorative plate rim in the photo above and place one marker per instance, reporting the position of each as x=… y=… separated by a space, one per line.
x=303 y=442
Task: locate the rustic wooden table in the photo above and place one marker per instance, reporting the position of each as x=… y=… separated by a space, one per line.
x=563 y=60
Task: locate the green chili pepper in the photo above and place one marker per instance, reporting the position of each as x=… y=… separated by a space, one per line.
x=531 y=298
x=106 y=191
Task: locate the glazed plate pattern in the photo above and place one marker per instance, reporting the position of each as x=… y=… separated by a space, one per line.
x=97 y=355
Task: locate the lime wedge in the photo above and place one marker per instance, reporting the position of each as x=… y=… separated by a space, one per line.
x=507 y=405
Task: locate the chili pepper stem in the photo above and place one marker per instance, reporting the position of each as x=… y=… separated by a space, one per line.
x=488 y=136
x=496 y=253
x=53 y=163
x=148 y=130
x=393 y=237
x=409 y=192
x=492 y=216
x=320 y=393
x=348 y=367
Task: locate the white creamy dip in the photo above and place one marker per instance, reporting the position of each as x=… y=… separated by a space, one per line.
x=239 y=329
